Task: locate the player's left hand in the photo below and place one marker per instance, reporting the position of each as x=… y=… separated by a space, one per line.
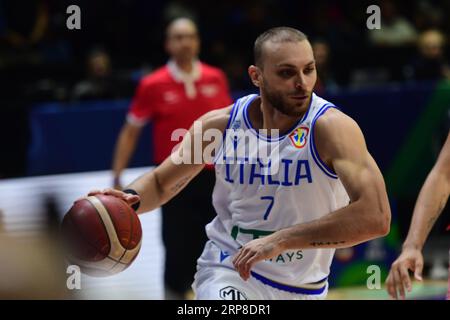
x=253 y=252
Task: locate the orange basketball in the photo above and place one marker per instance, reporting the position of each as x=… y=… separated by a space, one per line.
x=102 y=235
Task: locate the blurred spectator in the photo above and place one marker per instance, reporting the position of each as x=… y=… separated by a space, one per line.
x=100 y=82
x=325 y=78
x=23 y=28
x=430 y=62
x=396 y=30
x=33 y=34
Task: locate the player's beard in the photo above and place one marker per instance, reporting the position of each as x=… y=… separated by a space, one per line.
x=282 y=103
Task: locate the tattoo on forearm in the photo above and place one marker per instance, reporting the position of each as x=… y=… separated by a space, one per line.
x=180 y=184
x=326 y=243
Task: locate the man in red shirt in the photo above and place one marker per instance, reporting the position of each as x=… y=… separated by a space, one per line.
x=172 y=97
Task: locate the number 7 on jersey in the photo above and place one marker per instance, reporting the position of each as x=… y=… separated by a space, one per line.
x=269 y=208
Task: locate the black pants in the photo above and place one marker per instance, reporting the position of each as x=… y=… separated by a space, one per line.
x=183 y=230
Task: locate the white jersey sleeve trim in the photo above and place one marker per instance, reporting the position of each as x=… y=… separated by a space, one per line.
x=315 y=154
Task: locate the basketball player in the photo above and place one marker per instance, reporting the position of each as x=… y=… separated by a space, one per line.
x=275 y=234
x=432 y=199
x=172 y=97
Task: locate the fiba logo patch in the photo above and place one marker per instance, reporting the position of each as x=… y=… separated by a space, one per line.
x=236 y=124
x=298 y=137
x=231 y=293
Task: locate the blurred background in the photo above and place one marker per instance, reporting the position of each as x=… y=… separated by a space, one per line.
x=65 y=93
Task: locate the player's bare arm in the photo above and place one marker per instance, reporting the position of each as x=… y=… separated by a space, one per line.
x=430 y=203
x=341 y=145
x=126 y=144
x=160 y=185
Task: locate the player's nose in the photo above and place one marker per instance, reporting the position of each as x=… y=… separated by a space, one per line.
x=300 y=82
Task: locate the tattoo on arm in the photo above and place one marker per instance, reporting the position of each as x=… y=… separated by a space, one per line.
x=326 y=243
x=180 y=184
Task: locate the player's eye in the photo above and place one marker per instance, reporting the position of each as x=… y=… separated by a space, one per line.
x=287 y=73
x=309 y=70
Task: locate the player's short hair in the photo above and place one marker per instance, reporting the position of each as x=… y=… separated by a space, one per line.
x=278 y=34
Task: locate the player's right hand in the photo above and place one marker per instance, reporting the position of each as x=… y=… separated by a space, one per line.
x=127 y=197
x=398 y=279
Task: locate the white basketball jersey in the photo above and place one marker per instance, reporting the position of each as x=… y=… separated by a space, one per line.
x=253 y=200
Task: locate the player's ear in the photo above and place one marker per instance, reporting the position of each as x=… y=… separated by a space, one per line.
x=255 y=75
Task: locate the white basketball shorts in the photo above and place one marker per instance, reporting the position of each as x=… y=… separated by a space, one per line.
x=215 y=280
